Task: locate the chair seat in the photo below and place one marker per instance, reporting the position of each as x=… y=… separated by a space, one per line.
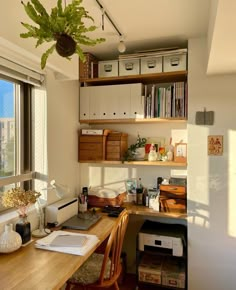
x=89 y=272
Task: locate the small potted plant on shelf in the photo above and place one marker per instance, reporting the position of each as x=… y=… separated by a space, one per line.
x=136 y=151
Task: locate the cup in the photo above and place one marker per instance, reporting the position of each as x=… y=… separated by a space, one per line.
x=83 y=207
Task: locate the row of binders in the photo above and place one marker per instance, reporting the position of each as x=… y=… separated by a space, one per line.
x=166 y=100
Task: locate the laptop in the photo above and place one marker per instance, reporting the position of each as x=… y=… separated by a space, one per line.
x=82 y=221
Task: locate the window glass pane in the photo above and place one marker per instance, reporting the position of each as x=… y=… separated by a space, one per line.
x=7 y=128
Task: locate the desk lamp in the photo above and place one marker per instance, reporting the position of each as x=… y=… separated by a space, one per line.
x=41 y=231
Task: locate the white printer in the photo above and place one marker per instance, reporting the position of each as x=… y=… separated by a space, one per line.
x=171 y=237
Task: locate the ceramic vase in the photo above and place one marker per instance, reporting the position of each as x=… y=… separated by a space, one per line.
x=140 y=153
x=24 y=229
x=10 y=240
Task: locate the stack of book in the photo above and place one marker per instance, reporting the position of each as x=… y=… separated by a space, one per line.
x=165 y=101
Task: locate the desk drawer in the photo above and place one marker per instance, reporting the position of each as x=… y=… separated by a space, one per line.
x=90 y=155
x=91 y=146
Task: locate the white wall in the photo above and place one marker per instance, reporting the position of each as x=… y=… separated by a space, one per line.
x=63 y=124
x=211 y=179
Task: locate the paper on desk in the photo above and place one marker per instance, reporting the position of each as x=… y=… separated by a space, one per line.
x=48 y=244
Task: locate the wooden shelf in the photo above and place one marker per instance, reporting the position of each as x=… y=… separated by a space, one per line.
x=164 y=77
x=144 y=210
x=144 y=162
x=135 y=121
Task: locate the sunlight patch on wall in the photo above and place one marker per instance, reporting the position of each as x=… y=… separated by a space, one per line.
x=110 y=177
x=232 y=184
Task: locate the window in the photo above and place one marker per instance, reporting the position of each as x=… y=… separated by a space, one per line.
x=15 y=134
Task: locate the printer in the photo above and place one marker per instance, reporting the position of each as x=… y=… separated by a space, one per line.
x=168 y=237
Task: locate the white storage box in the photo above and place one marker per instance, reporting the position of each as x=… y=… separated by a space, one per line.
x=175 y=62
x=129 y=67
x=151 y=65
x=108 y=68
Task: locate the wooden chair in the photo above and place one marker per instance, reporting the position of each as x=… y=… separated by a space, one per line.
x=103 y=270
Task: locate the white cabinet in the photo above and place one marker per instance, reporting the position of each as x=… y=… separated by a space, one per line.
x=123 y=101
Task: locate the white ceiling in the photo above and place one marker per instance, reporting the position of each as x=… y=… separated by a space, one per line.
x=145 y=24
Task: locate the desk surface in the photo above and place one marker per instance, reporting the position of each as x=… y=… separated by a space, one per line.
x=31 y=268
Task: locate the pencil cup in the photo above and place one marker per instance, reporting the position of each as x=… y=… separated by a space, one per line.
x=83 y=207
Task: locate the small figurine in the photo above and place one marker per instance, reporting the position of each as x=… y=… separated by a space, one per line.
x=152 y=155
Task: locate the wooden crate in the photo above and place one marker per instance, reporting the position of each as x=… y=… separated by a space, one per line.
x=116 y=146
x=92 y=147
x=173 y=198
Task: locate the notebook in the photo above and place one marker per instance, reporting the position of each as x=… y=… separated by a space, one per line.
x=81 y=221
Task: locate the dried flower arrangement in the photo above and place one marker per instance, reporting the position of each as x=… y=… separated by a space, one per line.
x=20 y=199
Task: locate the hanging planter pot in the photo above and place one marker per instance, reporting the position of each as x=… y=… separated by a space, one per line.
x=65 y=45
x=63 y=26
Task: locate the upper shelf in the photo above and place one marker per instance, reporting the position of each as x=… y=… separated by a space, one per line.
x=144 y=78
x=134 y=121
x=144 y=163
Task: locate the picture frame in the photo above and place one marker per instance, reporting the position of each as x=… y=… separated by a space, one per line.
x=158 y=143
x=180 y=153
x=131 y=185
x=215 y=145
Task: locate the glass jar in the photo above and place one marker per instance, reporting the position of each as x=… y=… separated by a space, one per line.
x=24 y=229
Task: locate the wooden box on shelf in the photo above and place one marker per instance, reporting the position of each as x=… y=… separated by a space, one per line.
x=116 y=145
x=92 y=147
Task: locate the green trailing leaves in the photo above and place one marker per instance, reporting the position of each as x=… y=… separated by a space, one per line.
x=61 y=21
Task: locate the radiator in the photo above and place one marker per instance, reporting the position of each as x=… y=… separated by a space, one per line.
x=61 y=210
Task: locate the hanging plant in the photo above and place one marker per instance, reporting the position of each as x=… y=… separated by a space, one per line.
x=65 y=27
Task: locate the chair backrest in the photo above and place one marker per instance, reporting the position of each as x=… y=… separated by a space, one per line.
x=113 y=250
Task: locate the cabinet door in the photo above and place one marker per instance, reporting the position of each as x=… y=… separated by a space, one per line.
x=137 y=101
x=84 y=103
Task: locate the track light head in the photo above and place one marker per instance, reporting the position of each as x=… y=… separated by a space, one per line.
x=121 y=46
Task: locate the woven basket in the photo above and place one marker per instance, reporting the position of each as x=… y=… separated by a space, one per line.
x=95 y=201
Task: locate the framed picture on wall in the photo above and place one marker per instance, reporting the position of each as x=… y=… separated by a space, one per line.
x=215 y=145
x=180 y=154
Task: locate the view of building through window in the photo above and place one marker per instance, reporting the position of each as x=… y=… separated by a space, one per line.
x=7 y=128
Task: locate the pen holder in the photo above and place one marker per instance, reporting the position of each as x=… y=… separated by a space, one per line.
x=83 y=207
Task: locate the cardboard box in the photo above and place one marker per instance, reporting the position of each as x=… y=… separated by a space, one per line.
x=175 y=62
x=173 y=272
x=149 y=269
x=108 y=68
x=150 y=65
x=129 y=67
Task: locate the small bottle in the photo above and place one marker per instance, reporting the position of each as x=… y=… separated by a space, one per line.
x=169 y=155
x=139 y=192
x=145 y=198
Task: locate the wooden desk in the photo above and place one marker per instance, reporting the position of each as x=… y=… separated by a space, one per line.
x=31 y=268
